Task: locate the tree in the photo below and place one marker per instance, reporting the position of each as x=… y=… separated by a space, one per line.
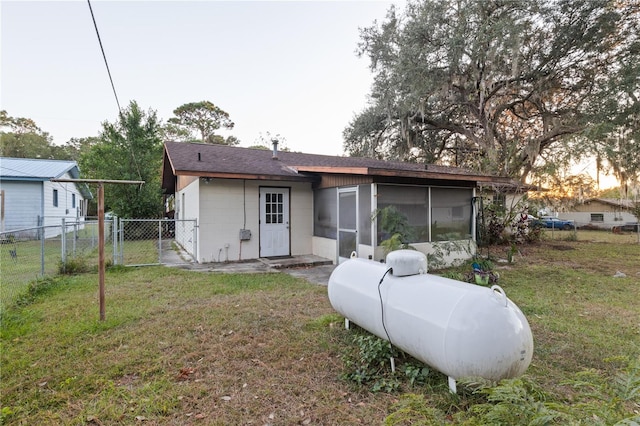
x=74 y=147
x=496 y=86
x=129 y=149
x=18 y=125
x=204 y=118
x=22 y=138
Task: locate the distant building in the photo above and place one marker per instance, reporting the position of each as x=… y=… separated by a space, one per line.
x=29 y=199
x=601 y=212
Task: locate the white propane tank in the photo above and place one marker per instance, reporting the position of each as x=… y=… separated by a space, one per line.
x=460 y=329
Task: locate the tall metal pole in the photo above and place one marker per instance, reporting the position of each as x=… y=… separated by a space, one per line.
x=101 y=248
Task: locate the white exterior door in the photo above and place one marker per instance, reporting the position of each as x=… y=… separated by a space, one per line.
x=274 y=222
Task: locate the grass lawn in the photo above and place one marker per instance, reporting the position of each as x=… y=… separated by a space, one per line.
x=184 y=347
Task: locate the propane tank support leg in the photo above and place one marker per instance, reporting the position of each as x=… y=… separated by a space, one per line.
x=347 y=324
x=452 y=385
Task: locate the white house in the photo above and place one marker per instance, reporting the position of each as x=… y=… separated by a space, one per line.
x=603 y=213
x=29 y=199
x=253 y=203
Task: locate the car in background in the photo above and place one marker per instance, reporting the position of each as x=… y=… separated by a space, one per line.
x=553 y=223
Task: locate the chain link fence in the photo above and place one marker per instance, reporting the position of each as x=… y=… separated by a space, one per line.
x=33 y=253
x=157 y=241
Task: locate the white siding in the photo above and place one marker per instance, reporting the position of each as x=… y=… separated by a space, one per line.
x=225 y=205
x=187 y=206
x=22 y=204
x=53 y=215
x=325 y=247
x=611 y=219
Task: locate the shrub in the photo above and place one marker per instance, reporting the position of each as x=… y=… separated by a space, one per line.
x=73 y=265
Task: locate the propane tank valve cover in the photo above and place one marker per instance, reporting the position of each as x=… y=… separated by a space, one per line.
x=407 y=262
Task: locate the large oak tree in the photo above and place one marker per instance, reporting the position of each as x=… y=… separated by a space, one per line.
x=507 y=87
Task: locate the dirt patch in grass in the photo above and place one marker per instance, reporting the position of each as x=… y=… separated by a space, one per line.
x=560 y=247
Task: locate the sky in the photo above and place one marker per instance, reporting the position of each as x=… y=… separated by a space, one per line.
x=289 y=68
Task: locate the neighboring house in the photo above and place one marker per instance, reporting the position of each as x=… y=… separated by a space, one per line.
x=601 y=212
x=252 y=203
x=29 y=199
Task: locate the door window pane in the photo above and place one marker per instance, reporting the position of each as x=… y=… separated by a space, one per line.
x=347 y=209
x=274 y=208
x=347 y=243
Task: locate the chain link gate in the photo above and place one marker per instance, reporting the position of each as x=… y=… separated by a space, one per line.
x=155 y=241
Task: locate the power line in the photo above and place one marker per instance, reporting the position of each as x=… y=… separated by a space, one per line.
x=135 y=161
x=105 y=57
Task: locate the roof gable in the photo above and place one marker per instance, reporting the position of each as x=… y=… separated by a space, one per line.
x=616 y=202
x=35 y=169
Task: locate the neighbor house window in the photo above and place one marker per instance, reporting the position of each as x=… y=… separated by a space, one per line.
x=73 y=201
x=55 y=198
x=597 y=217
x=500 y=199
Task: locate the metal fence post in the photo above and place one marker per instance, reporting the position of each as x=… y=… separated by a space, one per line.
x=121 y=240
x=41 y=232
x=114 y=239
x=63 y=242
x=195 y=239
x=160 y=241
x=75 y=237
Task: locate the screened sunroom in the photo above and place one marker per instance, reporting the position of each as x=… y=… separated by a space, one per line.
x=360 y=218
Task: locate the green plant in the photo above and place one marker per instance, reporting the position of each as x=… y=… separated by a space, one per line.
x=437 y=258
x=5 y=413
x=514 y=402
x=413 y=409
x=454 y=275
x=396 y=226
x=417 y=374
x=511 y=251
x=36 y=288
x=394 y=243
x=371 y=364
x=73 y=265
x=612 y=398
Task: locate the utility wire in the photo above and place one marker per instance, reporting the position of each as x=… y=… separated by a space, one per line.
x=135 y=161
x=105 y=57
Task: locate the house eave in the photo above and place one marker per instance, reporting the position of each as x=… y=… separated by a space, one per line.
x=247 y=176
x=368 y=171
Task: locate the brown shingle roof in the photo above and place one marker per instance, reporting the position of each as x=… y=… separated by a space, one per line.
x=197 y=159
